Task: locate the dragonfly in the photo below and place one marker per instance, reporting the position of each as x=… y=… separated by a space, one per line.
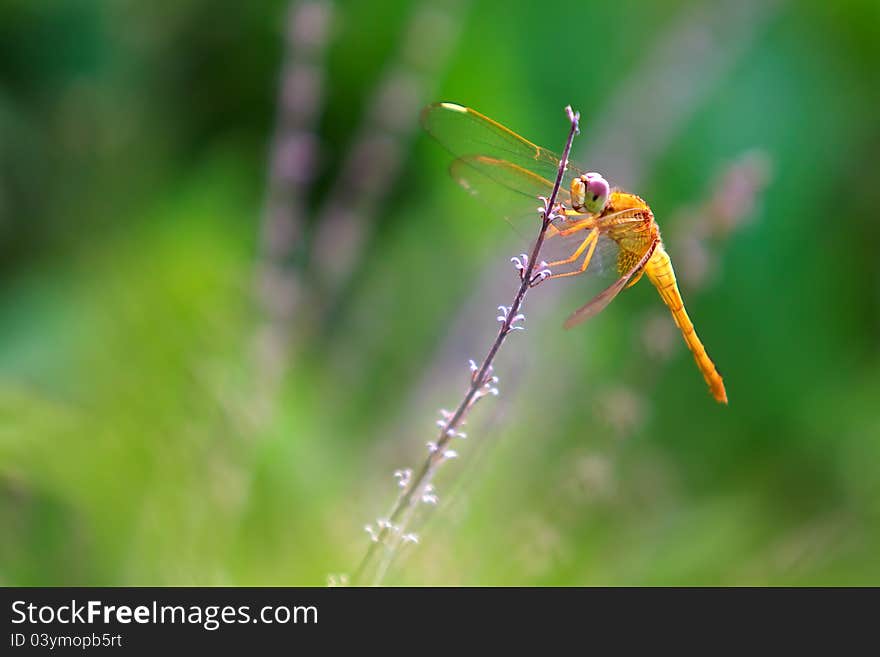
x=600 y=229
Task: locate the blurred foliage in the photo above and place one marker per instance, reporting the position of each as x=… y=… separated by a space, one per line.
x=133 y=148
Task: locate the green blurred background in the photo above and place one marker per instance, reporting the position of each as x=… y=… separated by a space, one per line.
x=237 y=286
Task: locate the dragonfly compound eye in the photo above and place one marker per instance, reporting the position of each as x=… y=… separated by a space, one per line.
x=595 y=190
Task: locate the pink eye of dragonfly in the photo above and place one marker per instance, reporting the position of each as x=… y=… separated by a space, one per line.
x=590 y=193
x=601 y=224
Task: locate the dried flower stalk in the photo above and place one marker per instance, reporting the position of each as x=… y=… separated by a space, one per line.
x=417 y=487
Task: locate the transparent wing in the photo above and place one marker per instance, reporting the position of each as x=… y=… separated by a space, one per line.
x=506 y=189
x=463 y=132
x=473 y=172
x=599 y=302
x=601 y=268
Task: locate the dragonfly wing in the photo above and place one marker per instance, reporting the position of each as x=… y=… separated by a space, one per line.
x=506 y=188
x=513 y=178
x=463 y=131
x=598 y=303
x=558 y=250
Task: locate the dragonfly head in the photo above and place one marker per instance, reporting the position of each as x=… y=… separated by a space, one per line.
x=590 y=192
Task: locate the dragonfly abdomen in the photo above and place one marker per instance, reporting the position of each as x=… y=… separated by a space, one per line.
x=660 y=272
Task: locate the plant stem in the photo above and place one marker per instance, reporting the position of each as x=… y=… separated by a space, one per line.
x=480 y=379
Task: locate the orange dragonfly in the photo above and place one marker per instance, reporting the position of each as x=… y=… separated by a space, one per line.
x=601 y=229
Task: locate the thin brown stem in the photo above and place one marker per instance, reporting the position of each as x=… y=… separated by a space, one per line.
x=393 y=528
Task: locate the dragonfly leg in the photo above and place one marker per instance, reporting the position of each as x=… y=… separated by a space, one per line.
x=583 y=224
x=590 y=245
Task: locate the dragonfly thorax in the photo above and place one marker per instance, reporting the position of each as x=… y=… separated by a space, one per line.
x=627 y=205
x=590 y=192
